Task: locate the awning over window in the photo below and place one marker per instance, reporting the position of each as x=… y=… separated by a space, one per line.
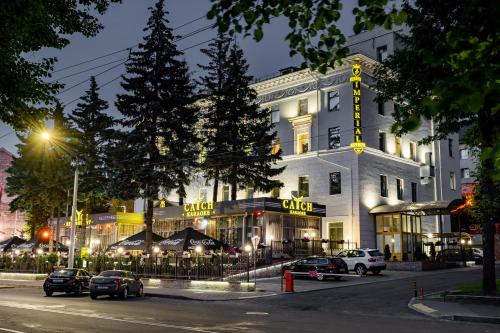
x=441 y=207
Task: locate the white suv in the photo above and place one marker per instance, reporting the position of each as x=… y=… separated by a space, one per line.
x=363 y=260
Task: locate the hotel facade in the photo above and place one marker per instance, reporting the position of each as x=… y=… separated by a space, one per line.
x=314 y=118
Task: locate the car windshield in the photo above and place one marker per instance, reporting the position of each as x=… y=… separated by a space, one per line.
x=63 y=272
x=112 y=273
x=375 y=253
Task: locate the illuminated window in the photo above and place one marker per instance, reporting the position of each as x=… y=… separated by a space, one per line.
x=275 y=146
x=335 y=183
x=225 y=193
x=334 y=137
x=399 y=188
x=203 y=194
x=382 y=53
x=333 y=101
x=413 y=151
x=398 y=146
x=383 y=186
x=464 y=154
x=275 y=193
x=303 y=107
x=453 y=181
x=465 y=172
x=303 y=186
x=303 y=143
x=275 y=114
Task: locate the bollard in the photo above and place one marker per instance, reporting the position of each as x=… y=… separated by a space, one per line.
x=415 y=292
x=288 y=281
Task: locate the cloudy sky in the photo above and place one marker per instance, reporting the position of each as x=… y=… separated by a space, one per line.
x=123 y=26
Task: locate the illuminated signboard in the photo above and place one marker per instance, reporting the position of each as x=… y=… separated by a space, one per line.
x=296 y=206
x=358 y=145
x=79 y=219
x=200 y=208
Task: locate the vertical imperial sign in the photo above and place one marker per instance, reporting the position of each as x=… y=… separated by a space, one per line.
x=358 y=145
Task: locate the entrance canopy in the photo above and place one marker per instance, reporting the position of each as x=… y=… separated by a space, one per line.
x=441 y=207
x=8 y=243
x=188 y=239
x=135 y=242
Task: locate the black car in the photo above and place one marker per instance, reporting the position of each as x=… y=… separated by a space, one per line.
x=67 y=280
x=120 y=283
x=317 y=267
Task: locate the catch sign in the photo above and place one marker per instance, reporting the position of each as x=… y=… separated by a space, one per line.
x=358 y=145
x=200 y=208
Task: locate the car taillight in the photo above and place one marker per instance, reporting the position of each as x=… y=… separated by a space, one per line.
x=372 y=259
x=332 y=266
x=118 y=281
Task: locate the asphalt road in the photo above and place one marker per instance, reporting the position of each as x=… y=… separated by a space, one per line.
x=377 y=307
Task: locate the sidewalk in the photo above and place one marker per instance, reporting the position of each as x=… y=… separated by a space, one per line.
x=456 y=311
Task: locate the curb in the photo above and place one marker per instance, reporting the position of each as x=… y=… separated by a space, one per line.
x=186 y=298
x=436 y=315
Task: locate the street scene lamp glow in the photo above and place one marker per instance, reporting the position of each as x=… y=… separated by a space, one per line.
x=198 y=249
x=462 y=241
x=120 y=250
x=156 y=249
x=17 y=252
x=39 y=251
x=248 y=248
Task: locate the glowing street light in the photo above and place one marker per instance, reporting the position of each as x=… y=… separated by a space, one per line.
x=39 y=251
x=198 y=249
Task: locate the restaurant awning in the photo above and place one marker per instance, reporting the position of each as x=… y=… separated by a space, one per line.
x=440 y=207
x=188 y=239
x=8 y=243
x=135 y=242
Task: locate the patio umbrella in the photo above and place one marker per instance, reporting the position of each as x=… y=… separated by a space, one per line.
x=135 y=242
x=8 y=243
x=188 y=239
x=37 y=243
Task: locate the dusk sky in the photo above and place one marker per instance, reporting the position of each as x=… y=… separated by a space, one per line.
x=123 y=24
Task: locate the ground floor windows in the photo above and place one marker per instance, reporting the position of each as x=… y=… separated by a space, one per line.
x=400 y=234
x=336 y=234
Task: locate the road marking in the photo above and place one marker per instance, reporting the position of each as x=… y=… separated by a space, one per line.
x=424 y=308
x=8 y=330
x=44 y=308
x=257 y=313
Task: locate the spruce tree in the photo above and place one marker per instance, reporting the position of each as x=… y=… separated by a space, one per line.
x=249 y=132
x=93 y=128
x=158 y=118
x=214 y=90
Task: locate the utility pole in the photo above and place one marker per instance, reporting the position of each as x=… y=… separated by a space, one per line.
x=71 y=255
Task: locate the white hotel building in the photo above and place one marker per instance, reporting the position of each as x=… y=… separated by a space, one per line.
x=313 y=114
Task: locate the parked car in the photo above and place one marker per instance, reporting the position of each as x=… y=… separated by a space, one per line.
x=68 y=281
x=363 y=260
x=318 y=266
x=457 y=255
x=120 y=283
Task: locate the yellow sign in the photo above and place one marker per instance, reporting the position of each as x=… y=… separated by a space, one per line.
x=200 y=208
x=79 y=219
x=358 y=145
x=129 y=218
x=163 y=203
x=296 y=206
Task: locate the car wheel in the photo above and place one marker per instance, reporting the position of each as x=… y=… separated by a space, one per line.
x=360 y=269
x=320 y=277
x=140 y=293
x=93 y=296
x=79 y=290
x=48 y=293
x=124 y=294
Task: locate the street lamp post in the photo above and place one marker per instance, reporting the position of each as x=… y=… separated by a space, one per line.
x=198 y=250
x=248 y=249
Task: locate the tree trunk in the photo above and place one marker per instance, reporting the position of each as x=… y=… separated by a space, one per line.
x=148 y=220
x=216 y=188
x=489 y=275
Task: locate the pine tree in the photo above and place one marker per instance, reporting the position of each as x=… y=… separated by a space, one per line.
x=249 y=133
x=214 y=90
x=158 y=116
x=93 y=128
